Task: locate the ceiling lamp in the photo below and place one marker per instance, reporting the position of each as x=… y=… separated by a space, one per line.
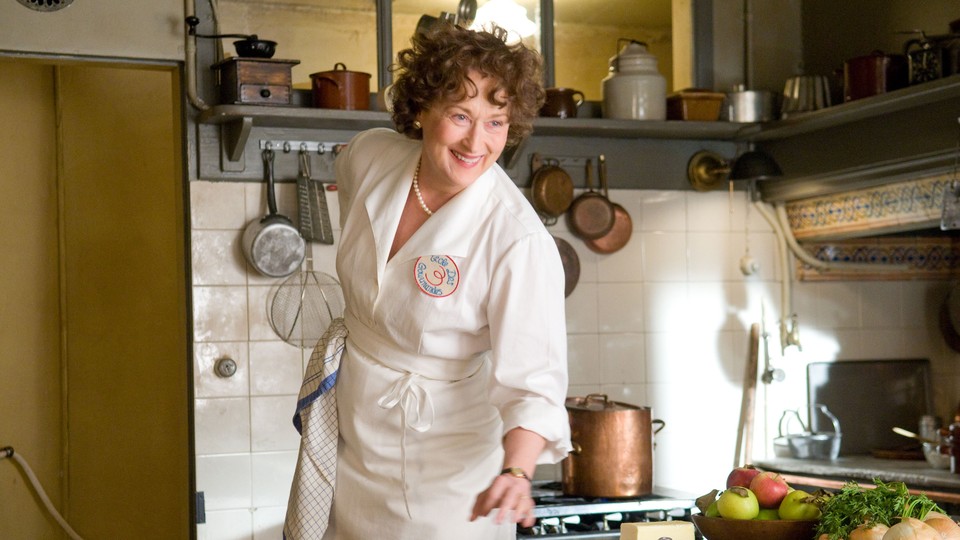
x=707 y=170
x=508 y=15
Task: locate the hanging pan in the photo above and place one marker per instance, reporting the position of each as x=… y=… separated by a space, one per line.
x=272 y=244
x=619 y=234
x=591 y=214
x=551 y=188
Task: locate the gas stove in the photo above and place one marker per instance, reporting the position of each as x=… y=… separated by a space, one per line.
x=560 y=516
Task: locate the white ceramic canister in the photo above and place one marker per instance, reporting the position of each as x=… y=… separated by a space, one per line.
x=634 y=89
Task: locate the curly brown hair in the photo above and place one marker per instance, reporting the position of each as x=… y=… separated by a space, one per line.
x=434 y=71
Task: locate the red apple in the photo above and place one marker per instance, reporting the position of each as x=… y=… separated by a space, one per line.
x=770 y=489
x=741 y=476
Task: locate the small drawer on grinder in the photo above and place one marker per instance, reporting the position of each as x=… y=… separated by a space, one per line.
x=262 y=81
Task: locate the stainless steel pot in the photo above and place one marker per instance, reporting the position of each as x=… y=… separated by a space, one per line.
x=612 y=448
x=273 y=245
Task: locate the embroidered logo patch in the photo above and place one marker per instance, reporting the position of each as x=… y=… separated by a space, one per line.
x=436 y=275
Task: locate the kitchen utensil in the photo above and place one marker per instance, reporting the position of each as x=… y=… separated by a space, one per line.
x=304 y=305
x=745 y=428
x=551 y=188
x=742 y=105
x=634 y=89
x=804 y=93
x=612 y=448
x=873 y=74
x=314 y=216
x=622 y=229
x=249 y=46
x=912 y=435
x=591 y=214
x=272 y=245
x=571 y=265
x=562 y=102
x=717 y=528
x=937 y=455
x=341 y=89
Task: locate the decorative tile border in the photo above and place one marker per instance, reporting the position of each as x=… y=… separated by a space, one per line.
x=928 y=257
x=885 y=209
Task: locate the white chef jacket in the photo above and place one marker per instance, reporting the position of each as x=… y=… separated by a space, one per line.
x=457 y=339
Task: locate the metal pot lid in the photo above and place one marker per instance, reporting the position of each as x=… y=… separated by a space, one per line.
x=598 y=403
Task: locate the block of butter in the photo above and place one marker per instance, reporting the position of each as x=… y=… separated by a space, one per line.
x=657 y=530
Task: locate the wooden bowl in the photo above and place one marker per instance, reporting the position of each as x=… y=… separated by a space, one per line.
x=715 y=528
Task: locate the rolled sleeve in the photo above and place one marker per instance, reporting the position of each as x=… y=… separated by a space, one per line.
x=529 y=343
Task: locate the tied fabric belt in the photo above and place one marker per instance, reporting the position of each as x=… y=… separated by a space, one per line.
x=311 y=493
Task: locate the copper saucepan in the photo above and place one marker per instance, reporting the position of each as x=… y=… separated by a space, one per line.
x=591 y=214
x=551 y=188
x=619 y=234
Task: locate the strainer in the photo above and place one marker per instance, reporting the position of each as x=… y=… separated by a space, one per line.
x=304 y=305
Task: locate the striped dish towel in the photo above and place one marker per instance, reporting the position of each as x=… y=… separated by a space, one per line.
x=311 y=494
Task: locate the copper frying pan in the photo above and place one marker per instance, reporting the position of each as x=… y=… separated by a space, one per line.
x=591 y=214
x=571 y=265
x=551 y=188
x=619 y=234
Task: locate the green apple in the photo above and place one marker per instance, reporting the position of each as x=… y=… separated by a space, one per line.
x=712 y=510
x=768 y=513
x=738 y=503
x=798 y=504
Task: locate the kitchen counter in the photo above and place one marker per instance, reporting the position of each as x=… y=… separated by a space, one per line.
x=940 y=485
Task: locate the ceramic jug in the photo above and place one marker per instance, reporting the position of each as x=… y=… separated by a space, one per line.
x=634 y=89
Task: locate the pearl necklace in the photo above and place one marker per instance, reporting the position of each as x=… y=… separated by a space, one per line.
x=416 y=190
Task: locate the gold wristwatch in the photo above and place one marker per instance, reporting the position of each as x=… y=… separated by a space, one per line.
x=517 y=472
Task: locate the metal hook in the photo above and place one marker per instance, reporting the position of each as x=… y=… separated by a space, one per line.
x=286 y=147
x=304 y=162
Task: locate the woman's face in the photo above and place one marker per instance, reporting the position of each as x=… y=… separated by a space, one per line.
x=463 y=139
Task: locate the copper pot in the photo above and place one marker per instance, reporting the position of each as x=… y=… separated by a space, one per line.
x=612 y=448
x=341 y=89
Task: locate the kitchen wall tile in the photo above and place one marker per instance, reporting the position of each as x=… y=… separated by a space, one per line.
x=225 y=481
x=581 y=309
x=271 y=423
x=715 y=211
x=276 y=367
x=664 y=256
x=663 y=211
x=582 y=353
x=582 y=389
x=884 y=343
x=227 y=525
x=880 y=304
x=622 y=265
x=713 y=256
x=838 y=305
x=268 y=522
x=632 y=201
x=666 y=357
x=324 y=256
x=717 y=306
x=217 y=258
x=920 y=302
x=260 y=300
x=622 y=358
x=206 y=382
x=272 y=476
x=634 y=394
x=763 y=250
x=255 y=205
x=620 y=307
x=665 y=306
x=220 y=314
x=217 y=205
x=222 y=425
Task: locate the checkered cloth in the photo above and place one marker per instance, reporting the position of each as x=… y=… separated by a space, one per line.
x=311 y=494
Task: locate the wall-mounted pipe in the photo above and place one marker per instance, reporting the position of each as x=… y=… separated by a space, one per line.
x=38 y=489
x=190 y=59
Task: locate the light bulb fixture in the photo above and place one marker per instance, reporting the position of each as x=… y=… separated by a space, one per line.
x=505 y=14
x=707 y=170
